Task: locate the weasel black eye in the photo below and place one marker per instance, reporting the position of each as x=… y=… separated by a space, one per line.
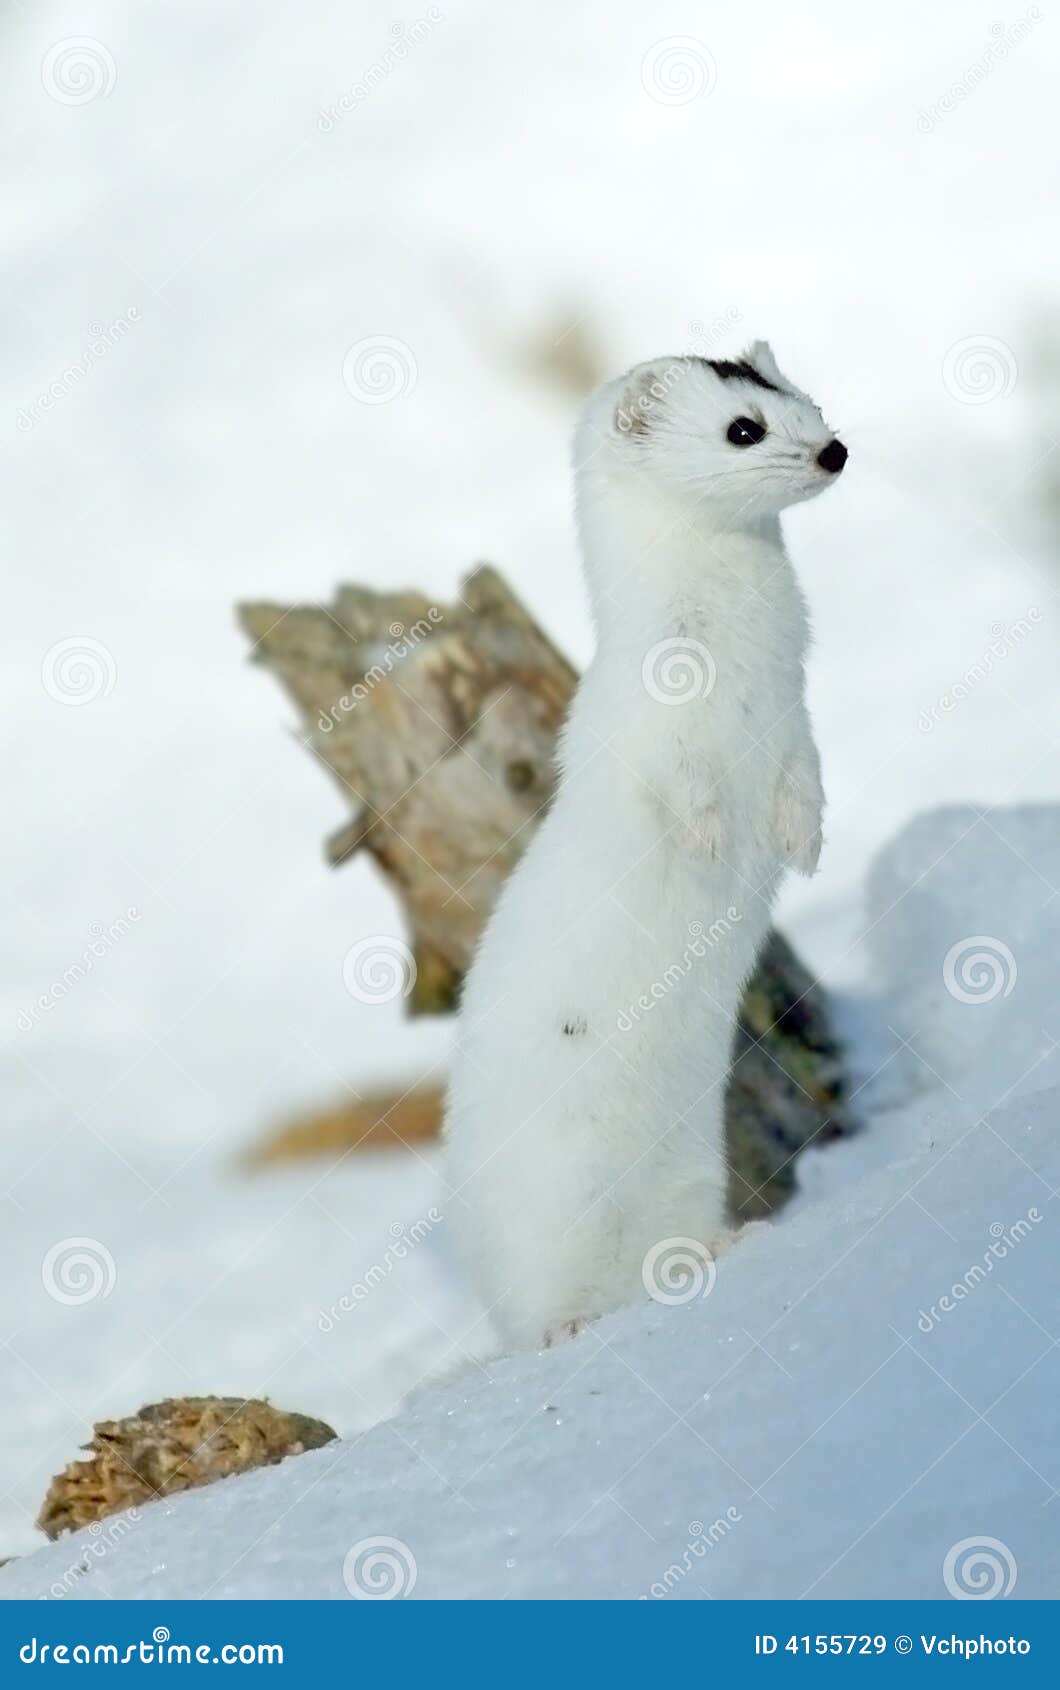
x=744 y=431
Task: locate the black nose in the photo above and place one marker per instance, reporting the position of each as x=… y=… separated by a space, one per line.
x=833 y=457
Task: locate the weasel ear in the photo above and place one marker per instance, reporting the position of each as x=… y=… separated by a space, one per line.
x=640 y=401
x=760 y=356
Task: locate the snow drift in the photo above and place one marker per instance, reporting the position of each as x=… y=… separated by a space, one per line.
x=861 y=1404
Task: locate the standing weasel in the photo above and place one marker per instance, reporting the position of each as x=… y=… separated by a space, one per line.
x=584 y=1126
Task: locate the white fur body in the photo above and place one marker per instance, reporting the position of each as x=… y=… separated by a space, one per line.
x=585 y=1119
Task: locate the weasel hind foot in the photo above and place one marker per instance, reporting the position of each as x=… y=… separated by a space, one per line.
x=564 y=1330
x=738 y=1234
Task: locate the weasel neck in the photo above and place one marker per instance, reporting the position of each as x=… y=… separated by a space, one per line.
x=648 y=557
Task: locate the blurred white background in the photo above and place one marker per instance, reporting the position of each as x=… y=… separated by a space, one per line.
x=510 y=190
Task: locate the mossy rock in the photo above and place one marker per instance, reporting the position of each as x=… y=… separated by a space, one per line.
x=785 y=1090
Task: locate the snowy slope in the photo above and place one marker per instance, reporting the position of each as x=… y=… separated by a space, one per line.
x=221 y=1284
x=868 y=1386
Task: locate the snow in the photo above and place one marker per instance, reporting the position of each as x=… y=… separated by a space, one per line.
x=934 y=893
x=865 y=1387
x=509 y=179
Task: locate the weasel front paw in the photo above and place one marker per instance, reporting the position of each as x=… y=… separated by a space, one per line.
x=702 y=833
x=798 y=824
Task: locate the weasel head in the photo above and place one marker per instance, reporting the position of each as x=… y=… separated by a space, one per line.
x=734 y=440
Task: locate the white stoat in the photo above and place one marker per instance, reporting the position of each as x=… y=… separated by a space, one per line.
x=584 y=1126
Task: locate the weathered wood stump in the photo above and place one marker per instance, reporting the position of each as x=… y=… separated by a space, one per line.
x=438 y=722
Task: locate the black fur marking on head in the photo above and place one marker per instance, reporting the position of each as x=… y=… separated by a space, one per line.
x=737 y=370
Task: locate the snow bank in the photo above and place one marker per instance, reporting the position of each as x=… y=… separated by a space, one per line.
x=865 y=1394
x=961 y=906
